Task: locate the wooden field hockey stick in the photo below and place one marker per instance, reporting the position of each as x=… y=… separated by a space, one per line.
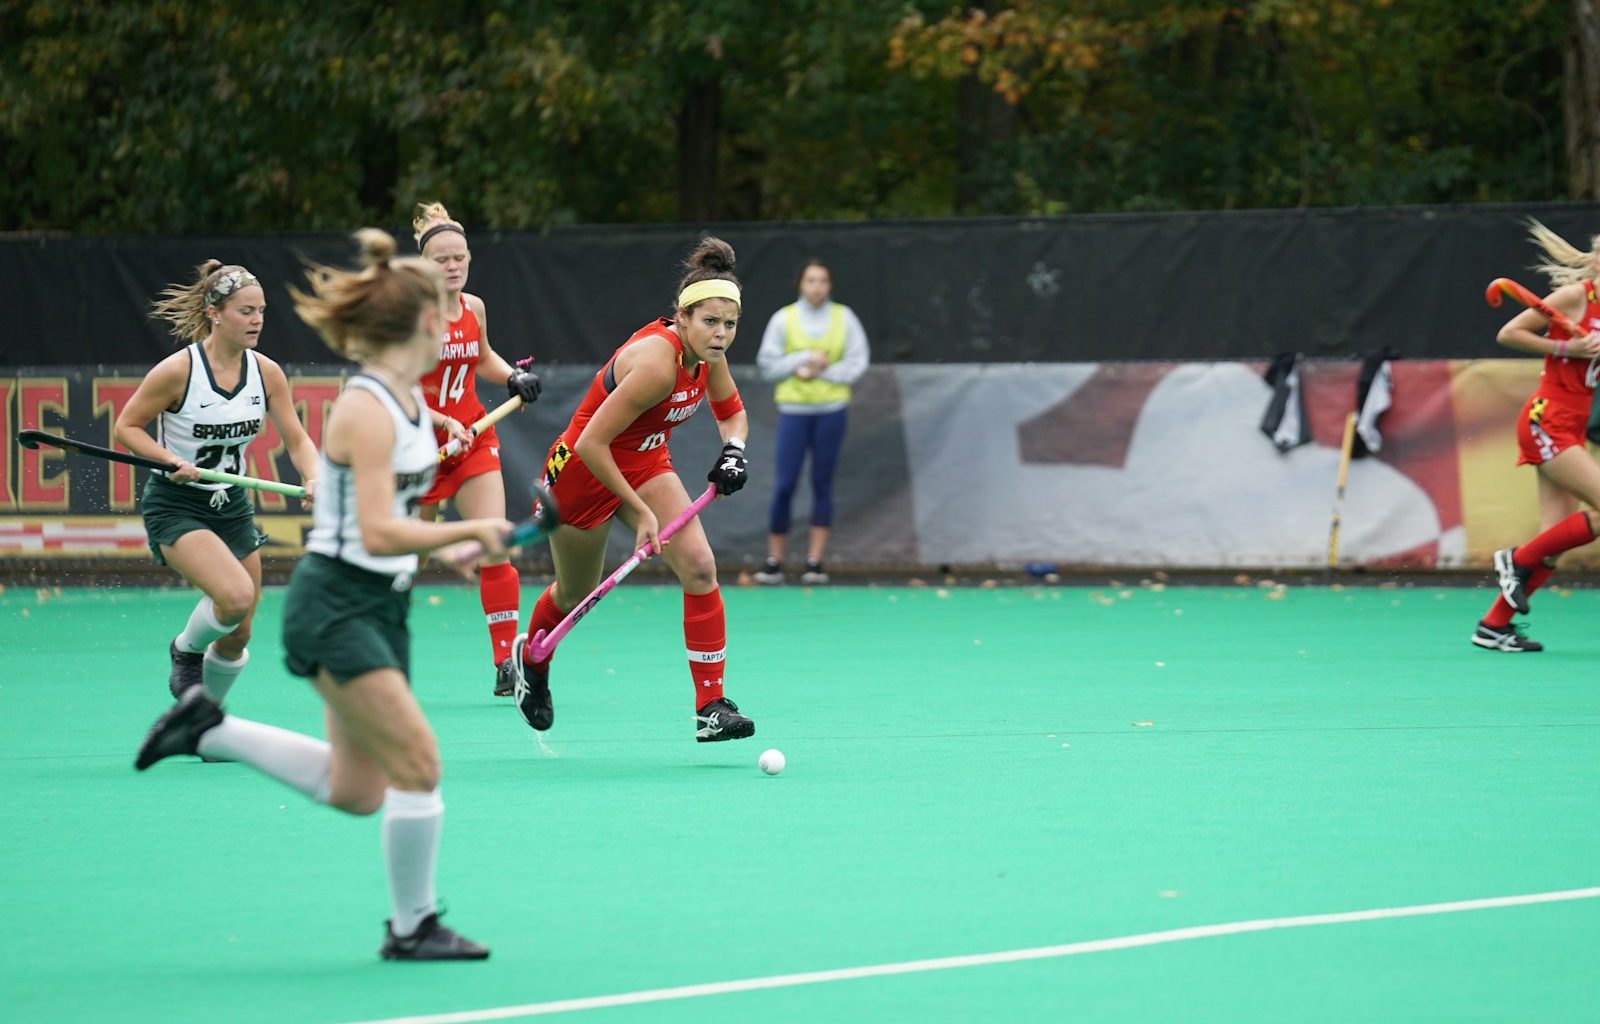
x=1346 y=449
x=1501 y=286
x=531 y=530
x=501 y=412
x=541 y=644
x=34 y=438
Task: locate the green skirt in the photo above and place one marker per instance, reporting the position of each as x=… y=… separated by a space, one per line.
x=344 y=619
x=171 y=510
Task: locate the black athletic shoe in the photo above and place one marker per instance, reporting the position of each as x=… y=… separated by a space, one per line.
x=531 y=687
x=1508 y=638
x=1513 y=580
x=720 y=720
x=188 y=670
x=431 y=941
x=179 y=728
x=505 y=678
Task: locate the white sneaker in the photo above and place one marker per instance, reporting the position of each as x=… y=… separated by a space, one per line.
x=769 y=574
x=814 y=576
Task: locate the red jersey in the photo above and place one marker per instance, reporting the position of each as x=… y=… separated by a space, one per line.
x=1566 y=379
x=651 y=430
x=451 y=386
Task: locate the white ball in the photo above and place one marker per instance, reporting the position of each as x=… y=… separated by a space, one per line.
x=771 y=761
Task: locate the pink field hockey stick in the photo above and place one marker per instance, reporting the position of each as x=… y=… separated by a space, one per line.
x=542 y=643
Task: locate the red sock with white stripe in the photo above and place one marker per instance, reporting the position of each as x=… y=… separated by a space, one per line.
x=705 y=634
x=500 y=590
x=545 y=616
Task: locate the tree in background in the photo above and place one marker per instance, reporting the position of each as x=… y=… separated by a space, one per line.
x=163 y=116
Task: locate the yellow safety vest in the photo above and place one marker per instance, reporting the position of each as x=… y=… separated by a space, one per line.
x=816 y=391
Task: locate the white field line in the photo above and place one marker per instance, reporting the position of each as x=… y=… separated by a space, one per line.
x=947 y=963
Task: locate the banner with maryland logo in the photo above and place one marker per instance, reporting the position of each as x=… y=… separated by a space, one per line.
x=1081 y=464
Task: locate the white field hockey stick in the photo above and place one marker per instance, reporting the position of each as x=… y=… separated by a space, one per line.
x=501 y=412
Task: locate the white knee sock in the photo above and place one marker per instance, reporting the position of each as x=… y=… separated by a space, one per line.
x=411 y=823
x=297 y=761
x=203 y=628
x=218 y=673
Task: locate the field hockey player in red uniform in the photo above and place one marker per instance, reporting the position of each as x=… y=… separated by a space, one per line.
x=472 y=477
x=612 y=461
x=1550 y=436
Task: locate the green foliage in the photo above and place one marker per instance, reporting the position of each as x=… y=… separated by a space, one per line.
x=172 y=117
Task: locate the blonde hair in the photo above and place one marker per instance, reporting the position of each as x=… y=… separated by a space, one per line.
x=428 y=216
x=359 y=313
x=710 y=260
x=1563 y=262
x=184 y=305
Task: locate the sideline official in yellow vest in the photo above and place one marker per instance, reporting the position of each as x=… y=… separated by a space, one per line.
x=815 y=349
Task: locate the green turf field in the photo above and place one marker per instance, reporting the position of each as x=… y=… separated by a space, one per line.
x=970 y=771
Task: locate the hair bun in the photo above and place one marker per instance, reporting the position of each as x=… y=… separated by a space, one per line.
x=712 y=255
x=377 y=246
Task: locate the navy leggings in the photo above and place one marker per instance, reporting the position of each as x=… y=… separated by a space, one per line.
x=823 y=434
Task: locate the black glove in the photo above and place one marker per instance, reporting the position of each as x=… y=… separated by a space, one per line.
x=524 y=384
x=731 y=470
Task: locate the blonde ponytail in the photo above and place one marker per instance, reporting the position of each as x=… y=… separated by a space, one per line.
x=1563 y=262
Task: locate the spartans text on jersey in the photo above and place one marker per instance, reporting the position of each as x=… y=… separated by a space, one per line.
x=225 y=431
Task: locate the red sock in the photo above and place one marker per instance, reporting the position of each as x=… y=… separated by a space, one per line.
x=1500 y=613
x=705 y=634
x=500 y=589
x=546 y=616
x=1571 y=532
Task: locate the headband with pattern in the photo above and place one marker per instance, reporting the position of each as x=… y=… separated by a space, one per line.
x=227 y=284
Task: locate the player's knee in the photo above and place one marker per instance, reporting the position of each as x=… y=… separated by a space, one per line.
x=359 y=804
x=699 y=574
x=233 y=604
x=416 y=770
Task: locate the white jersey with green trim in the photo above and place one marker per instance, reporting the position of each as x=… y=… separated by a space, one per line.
x=335 y=527
x=212 y=427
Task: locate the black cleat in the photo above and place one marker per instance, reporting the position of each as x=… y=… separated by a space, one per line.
x=431 y=941
x=1508 y=638
x=532 y=687
x=179 y=728
x=1513 y=580
x=720 y=720
x=505 y=678
x=770 y=574
x=188 y=670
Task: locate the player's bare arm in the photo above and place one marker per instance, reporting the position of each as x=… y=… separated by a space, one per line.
x=160 y=391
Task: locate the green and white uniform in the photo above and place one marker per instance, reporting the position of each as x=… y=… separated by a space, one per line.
x=346 y=607
x=211 y=428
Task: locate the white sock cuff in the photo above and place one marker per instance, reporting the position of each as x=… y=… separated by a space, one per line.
x=207 y=608
x=404 y=803
x=217 y=659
